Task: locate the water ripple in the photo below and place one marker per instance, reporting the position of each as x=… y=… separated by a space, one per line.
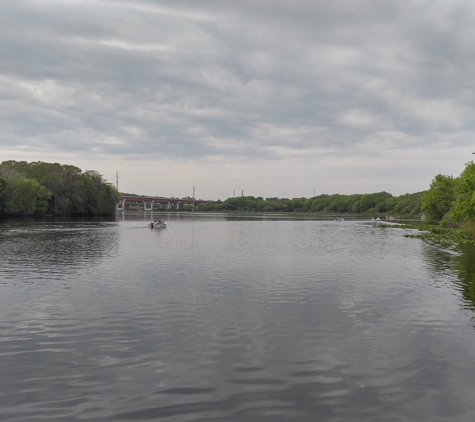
x=233 y=319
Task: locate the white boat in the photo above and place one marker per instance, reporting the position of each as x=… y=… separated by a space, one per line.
x=157 y=225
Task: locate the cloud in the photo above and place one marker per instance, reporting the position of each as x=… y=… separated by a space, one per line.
x=259 y=81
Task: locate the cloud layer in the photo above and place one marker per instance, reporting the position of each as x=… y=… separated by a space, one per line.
x=341 y=86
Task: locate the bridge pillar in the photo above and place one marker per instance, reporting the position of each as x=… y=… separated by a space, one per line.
x=169 y=206
x=145 y=206
x=120 y=206
x=178 y=205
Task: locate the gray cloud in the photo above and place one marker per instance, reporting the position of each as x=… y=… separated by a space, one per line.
x=255 y=80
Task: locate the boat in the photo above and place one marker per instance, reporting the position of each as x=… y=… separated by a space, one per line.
x=375 y=221
x=339 y=218
x=160 y=224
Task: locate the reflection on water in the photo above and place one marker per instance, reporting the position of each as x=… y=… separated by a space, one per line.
x=465 y=267
x=456 y=266
x=45 y=251
x=233 y=318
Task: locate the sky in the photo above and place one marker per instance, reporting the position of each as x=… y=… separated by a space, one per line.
x=263 y=97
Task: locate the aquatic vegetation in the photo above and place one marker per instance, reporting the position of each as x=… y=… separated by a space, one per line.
x=434 y=233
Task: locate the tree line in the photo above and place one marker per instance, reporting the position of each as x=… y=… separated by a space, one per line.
x=381 y=203
x=56 y=189
x=53 y=189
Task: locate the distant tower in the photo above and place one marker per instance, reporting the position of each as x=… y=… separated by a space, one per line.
x=117 y=180
x=242 y=192
x=193 y=199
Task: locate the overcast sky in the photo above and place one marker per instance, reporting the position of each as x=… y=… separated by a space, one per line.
x=276 y=98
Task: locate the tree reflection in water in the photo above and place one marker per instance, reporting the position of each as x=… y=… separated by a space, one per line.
x=464 y=264
x=456 y=263
x=37 y=252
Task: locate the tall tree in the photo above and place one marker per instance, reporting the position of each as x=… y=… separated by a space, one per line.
x=438 y=200
x=464 y=209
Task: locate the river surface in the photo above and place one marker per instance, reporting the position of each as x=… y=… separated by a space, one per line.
x=222 y=318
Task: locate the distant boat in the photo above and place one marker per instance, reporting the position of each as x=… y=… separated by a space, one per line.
x=157 y=225
x=339 y=218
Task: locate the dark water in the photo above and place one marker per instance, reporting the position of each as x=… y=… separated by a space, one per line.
x=233 y=319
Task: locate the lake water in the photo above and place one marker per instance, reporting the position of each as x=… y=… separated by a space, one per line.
x=221 y=318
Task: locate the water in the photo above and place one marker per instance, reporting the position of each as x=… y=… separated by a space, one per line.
x=219 y=318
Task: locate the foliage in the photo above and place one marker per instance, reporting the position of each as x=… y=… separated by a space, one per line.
x=449 y=207
x=25 y=196
x=450 y=202
x=464 y=207
x=39 y=188
x=370 y=204
x=438 y=200
x=3 y=194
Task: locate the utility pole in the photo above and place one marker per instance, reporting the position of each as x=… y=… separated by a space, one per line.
x=234 y=193
x=193 y=199
x=314 y=193
x=242 y=192
x=117 y=180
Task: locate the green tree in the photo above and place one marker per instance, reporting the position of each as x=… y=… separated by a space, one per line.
x=3 y=194
x=464 y=209
x=26 y=196
x=438 y=200
x=60 y=189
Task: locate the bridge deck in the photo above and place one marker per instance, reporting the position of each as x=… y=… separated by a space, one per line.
x=162 y=200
